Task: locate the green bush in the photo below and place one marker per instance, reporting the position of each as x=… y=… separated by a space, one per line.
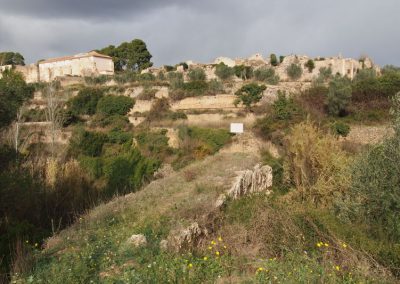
x=175 y=79
x=119 y=137
x=91 y=143
x=115 y=121
x=127 y=172
x=243 y=72
x=97 y=80
x=339 y=95
x=86 y=101
x=92 y=165
x=267 y=75
x=111 y=105
x=325 y=74
x=197 y=74
x=184 y=65
x=223 y=71
x=154 y=143
x=177 y=115
x=310 y=65
x=34 y=114
x=374 y=195
x=250 y=94
x=214 y=139
x=281 y=58
x=147 y=94
x=146 y=77
x=294 y=71
x=126 y=77
x=160 y=108
x=273 y=60
x=284 y=107
x=340 y=129
x=215 y=86
x=169 y=68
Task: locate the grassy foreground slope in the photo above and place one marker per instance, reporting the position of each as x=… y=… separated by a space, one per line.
x=258 y=238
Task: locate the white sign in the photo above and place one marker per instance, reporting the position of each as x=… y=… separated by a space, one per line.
x=236 y=127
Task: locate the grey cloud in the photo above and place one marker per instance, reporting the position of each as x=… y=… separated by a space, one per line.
x=178 y=30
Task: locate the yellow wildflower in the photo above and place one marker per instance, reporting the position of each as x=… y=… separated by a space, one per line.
x=337 y=267
x=260 y=269
x=190 y=265
x=213 y=243
x=205 y=258
x=344 y=245
x=224 y=247
x=326 y=244
x=217 y=253
x=219 y=239
x=210 y=248
x=319 y=244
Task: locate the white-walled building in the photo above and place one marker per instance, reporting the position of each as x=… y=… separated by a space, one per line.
x=83 y=64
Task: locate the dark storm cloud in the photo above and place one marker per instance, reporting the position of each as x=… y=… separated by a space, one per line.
x=178 y=30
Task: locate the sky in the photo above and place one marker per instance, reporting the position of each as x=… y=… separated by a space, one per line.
x=201 y=30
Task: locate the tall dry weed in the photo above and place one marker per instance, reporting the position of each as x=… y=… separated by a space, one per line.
x=316 y=165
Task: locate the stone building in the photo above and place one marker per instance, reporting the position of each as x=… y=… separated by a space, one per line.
x=82 y=64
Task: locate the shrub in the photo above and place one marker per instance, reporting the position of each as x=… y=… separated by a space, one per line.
x=127 y=172
x=197 y=74
x=86 y=101
x=273 y=60
x=126 y=77
x=184 y=65
x=175 y=79
x=97 y=80
x=250 y=94
x=310 y=65
x=223 y=71
x=177 y=115
x=315 y=164
x=324 y=75
x=339 y=95
x=147 y=94
x=374 y=194
x=146 y=77
x=266 y=75
x=154 y=143
x=111 y=105
x=294 y=71
x=215 y=86
x=160 y=108
x=34 y=114
x=243 y=72
x=281 y=58
x=169 y=68
x=92 y=165
x=87 y=143
x=115 y=121
x=119 y=137
x=161 y=76
x=365 y=74
x=283 y=107
x=341 y=129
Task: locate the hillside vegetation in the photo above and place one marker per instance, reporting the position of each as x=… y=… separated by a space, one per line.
x=89 y=167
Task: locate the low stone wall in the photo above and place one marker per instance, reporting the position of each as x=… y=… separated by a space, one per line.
x=223 y=102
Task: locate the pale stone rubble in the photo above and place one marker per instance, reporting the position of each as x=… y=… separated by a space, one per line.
x=257 y=180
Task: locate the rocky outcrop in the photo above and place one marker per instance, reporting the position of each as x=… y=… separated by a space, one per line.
x=247 y=182
x=185 y=239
